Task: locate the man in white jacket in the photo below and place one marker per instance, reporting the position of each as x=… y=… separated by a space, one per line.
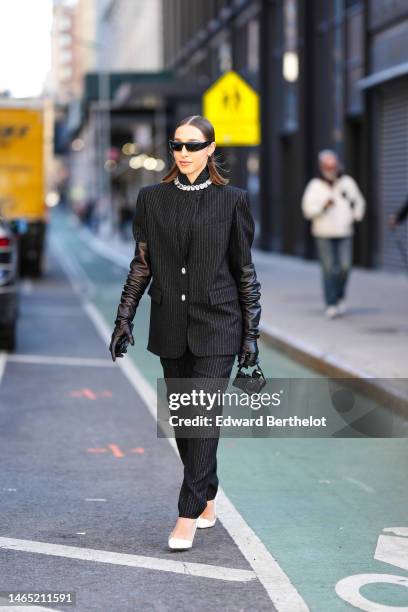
x=333 y=202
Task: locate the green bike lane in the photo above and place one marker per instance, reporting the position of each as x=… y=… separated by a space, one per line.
x=319 y=505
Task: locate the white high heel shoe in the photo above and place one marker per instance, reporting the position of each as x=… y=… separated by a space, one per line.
x=182 y=543
x=203 y=523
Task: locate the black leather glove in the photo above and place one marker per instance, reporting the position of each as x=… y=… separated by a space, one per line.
x=137 y=280
x=248 y=356
x=249 y=295
x=121 y=337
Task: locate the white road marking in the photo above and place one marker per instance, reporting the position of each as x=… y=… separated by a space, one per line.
x=133 y=374
x=361 y=485
x=64 y=361
x=402 y=531
x=393 y=550
x=349 y=590
x=6 y=608
x=3 y=361
x=390 y=549
x=277 y=584
x=152 y=563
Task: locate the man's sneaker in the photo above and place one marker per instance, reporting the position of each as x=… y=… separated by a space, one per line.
x=331 y=312
x=341 y=307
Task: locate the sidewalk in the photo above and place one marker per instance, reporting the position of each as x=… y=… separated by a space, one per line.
x=370 y=341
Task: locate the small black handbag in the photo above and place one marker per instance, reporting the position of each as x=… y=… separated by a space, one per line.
x=250 y=383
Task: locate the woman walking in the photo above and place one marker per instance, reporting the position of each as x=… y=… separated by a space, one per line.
x=333 y=202
x=193 y=235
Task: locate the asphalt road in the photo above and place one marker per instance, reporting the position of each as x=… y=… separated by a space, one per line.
x=89 y=492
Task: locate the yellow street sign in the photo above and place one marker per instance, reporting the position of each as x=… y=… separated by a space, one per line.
x=232 y=106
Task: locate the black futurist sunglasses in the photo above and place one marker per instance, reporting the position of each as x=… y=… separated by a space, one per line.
x=191 y=146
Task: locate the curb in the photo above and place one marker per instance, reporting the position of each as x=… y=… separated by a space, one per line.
x=385 y=394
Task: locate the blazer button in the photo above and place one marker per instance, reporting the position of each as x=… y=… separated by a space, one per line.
x=183 y=297
x=183 y=270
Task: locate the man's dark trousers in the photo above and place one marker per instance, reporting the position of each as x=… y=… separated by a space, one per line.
x=198 y=454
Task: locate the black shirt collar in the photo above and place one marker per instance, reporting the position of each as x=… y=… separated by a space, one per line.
x=201 y=178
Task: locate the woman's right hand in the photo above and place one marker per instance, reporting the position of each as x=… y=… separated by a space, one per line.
x=121 y=333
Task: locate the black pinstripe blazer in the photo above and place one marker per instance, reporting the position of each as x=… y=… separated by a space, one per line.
x=197 y=242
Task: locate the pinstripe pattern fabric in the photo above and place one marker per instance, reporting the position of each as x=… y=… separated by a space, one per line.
x=199 y=455
x=198 y=241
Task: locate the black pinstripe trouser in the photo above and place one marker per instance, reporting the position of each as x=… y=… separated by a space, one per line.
x=199 y=455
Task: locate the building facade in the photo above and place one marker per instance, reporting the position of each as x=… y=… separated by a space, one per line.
x=73 y=49
x=126 y=41
x=385 y=87
x=129 y=34
x=314 y=64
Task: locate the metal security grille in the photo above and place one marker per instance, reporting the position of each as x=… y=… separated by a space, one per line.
x=394 y=172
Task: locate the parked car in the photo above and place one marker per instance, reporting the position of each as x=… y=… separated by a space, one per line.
x=8 y=284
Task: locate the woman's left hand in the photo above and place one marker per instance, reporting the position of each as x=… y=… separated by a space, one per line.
x=248 y=356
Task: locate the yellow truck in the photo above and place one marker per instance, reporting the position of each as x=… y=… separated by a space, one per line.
x=25 y=149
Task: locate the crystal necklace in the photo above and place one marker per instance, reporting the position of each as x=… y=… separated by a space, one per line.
x=192 y=187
